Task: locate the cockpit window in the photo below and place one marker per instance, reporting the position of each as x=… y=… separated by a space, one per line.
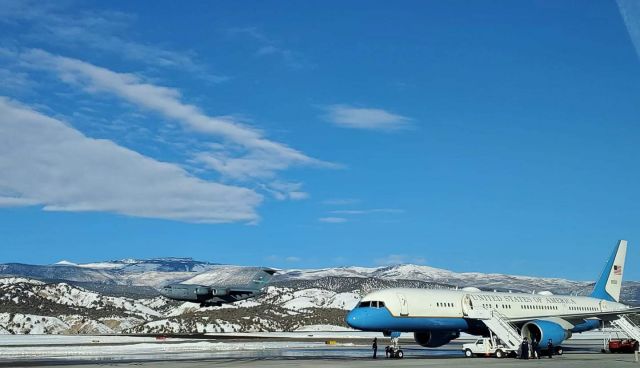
x=371 y=304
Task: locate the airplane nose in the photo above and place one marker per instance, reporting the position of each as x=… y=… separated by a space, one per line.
x=352 y=319
x=165 y=291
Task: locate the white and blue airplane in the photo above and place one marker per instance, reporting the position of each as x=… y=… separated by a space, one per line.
x=438 y=316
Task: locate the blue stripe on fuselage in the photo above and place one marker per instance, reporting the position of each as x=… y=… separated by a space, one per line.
x=380 y=319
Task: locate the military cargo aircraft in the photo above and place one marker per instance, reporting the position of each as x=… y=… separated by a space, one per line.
x=216 y=295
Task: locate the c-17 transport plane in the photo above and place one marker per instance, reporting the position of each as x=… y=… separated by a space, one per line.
x=216 y=295
x=438 y=316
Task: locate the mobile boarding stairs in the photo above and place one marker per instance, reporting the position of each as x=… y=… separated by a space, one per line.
x=508 y=333
x=499 y=326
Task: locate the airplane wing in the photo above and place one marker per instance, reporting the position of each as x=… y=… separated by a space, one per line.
x=577 y=318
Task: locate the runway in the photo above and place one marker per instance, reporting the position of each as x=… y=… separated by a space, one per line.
x=568 y=361
x=257 y=351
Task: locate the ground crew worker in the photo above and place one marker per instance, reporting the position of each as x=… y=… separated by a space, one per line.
x=375 y=347
x=524 y=349
x=550 y=348
x=535 y=349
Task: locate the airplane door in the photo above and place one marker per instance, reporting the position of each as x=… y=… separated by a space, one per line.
x=404 y=306
x=467 y=305
x=603 y=306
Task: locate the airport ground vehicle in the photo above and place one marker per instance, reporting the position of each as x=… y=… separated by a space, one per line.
x=623 y=345
x=392 y=351
x=486 y=347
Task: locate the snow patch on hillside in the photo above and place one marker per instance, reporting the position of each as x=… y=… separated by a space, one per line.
x=313 y=298
x=32 y=324
x=19 y=280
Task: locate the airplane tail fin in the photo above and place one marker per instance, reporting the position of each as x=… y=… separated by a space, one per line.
x=263 y=277
x=610 y=282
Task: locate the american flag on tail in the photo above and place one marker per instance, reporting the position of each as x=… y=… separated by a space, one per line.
x=617 y=270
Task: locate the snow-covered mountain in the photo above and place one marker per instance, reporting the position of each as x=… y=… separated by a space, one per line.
x=158 y=272
x=120 y=296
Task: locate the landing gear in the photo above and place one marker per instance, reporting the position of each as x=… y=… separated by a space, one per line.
x=393 y=350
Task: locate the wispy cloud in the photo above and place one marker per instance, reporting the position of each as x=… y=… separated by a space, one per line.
x=365 y=118
x=285 y=190
x=288 y=259
x=244 y=153
x=45 y=162
x=57 y=24
x=396 y=259
x=267 y=46
x=340 y=201
x=333 y=220
x=14 y=81
x=630 y=11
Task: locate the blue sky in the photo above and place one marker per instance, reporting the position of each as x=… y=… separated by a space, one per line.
x=491 y=136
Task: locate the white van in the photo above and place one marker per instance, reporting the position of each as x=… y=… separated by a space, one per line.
x=486 y=347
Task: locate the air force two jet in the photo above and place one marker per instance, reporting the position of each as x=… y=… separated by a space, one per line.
x=438 y=316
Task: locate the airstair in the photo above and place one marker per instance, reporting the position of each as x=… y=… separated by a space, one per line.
x=499 y=325
x=630 y=328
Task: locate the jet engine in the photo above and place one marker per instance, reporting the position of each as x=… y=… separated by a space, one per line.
x=192 y=293
x=433 y=339
x=542 y=331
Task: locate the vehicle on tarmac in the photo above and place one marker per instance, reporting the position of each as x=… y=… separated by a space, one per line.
x=623 y=345
x=486 y=347
x=393 y=351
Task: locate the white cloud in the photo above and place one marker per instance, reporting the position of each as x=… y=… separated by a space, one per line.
x=396 y=259
x=46 y=162
x=630 y=11
x=333 y=220
x=365 y=118
x=284 y=190
x=297 y=196
x=245 y=153
x=293 y=259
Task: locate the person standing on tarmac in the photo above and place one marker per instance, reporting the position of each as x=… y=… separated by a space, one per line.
x=535 y=349
x=375 y=347
x=524 y=349
x=550 y=348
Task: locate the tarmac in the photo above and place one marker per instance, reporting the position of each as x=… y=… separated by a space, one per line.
x=590 y=360
x=578 y=354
